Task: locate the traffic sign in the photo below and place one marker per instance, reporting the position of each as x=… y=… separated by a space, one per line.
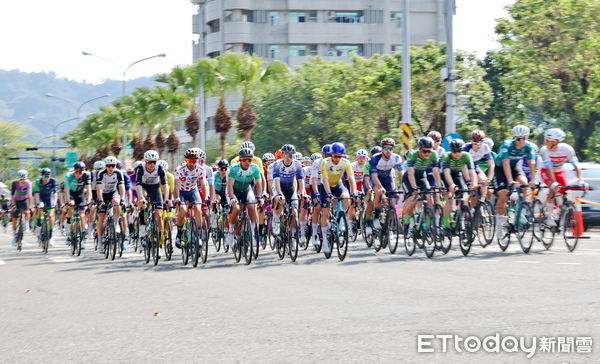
x=70 y=158
x=448 y=138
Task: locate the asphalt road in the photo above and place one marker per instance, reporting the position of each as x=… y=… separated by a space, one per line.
x=57 y=308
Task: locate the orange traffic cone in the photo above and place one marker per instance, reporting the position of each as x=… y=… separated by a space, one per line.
x=578 y=217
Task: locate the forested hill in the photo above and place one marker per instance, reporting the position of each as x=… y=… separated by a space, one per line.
x=22 y=95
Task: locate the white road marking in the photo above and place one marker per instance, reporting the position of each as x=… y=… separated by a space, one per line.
x=527 y=261
x=2 y=262
x=62 y=259
x=569 y=263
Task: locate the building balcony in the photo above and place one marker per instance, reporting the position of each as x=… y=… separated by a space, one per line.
x=305 y=33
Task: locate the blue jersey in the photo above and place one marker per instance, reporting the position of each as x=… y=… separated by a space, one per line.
x=508 y=150
x=383 y=167
x=45 y=190
x=287 y=174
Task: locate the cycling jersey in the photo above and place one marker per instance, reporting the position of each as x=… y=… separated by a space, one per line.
x=334 y=172
x=287 y=174
x=256 y=160
x=556 y=159
x=384 y=167
x=210 y=175
x=508 y=150
x=484 y=152
x=94 y=178
x=221 y=183
x=483 y=164
x=171 y=182
x=110 y=182
x=188 y=179
x=420 y=164
x=44 y=189
x=306 y=170
x=77 y=185
x=145 y=178
x=316 y=170
x=21 y=192
x=243 y=178
x=359 y=172
x=457 y=165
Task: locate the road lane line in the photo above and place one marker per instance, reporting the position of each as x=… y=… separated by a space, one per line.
x=62 y=259
x=569 y=263
x=527 y=261
x=2 y=262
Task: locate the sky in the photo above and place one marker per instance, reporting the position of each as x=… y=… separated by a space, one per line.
x=42 y=35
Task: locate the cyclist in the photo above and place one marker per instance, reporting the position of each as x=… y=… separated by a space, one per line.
x=170 y=180
x=239 y=181
x=221 y=183
x=554 y=155
x=77 y=194
x=151 y=181
x=459 y=172
x=418 y=162
x=481 y=152
x=316 y=186
x=210 y=179
x=358 y=167
x=44 y=193
x=507 y=174
x=111 y=189
x=21 y=199
x=332 y=170
x=187 y=176
x=289 y=185
x=4 y=206
x=368 y=191
x=268 y=164
x=98 y=166
x=127 y=201
x=382 y=166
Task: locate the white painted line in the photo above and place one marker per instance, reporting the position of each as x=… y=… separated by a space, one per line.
x=62 y=259
x=490 y=260
x=2 y=262
x=567 y=263
x=527 y=261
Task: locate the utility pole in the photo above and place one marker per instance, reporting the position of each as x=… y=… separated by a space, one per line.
x=406 y=85
x=450 y=10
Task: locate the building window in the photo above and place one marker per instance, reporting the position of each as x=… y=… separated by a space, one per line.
x=214 y=26
x=210 y=123
x=303 y=50
x=214 y=54
x=396 y=48
x=274 y=17
x=248 y=16
x=274 y=51
x=346 y=16
x=396 y=17
x=249 y=48
x=345 y=50
x=303 y=17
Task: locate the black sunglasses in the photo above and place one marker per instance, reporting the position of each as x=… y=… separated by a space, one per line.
x=520 y=138
x=426 y=151
x=150 y=162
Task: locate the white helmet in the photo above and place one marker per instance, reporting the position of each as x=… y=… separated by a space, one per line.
x=21 y=173
x=315 y=156
x=110 y=160
x=99 y=165
x=268 y=157
x=248 y=144
x=151 y=155
x=137 y=164
x=555 y=134
x=489 y=142
x=306 y=159
x=163 y=163
x=298 y=156
x=520 y=131
x=362 y=153
x=201 y=154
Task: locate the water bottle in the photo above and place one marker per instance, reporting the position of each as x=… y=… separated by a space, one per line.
x=511 y=215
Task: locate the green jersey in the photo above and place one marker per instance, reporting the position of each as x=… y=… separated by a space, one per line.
x=413 y=159
x=457 y=165
x=243 y=177
x=367 y=169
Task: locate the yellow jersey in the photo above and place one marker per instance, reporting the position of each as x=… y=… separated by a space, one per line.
x=256 y=160
x=171 y=182
x=334 y=172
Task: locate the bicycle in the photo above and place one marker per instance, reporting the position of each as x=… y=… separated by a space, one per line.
x=19 y=232
x=359 y=222
x=44 y=236
x=423 y=230
x=190 y=238
x=166 y=239
x=564 y=222
x=77 y=234
x=289 y=233
x=520 y=221
x=389 y=232
x=338 y=230
x=484 y=222
x=463 y=221
x=111 y=234
x=243 y=235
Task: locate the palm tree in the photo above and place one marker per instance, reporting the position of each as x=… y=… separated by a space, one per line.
x=192 y=125
x=250 y=74
x=160 y=141
x=172 y=146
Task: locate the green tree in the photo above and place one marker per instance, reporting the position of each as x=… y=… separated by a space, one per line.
x=553 y=47
x=12 y=142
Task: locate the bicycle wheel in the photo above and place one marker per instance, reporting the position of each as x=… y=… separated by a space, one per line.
x=568 y=227
x=185 y=243
x=204 y=242
x=78 y=238
x=45 y=238
x=147 y=242
x=378 y=238
x=443 y=242
x=525 y=224
x=354 y=232
x=427 y=231
x=168 y=234
x=342 y=233
x=368 y=238
x=541 y=231
x=246 y=234
x=114 y=241
x=464 y=228
x=194 y=243
x=331 y=238
x=156 y=239
x=409 y=241
x=293 y=237
x=307 y=234
x=254 y=235
x=486 y=223
x=319 y=242
x=393 y=230
x=136 y=234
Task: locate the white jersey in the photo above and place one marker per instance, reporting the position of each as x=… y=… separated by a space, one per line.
x=315 y=170
x=307 y=173
x=484 y=152
x=110 y=182
x=188 y=179
x=524 y=168
x=270 y=170
x=563 y=154
x=359 y=172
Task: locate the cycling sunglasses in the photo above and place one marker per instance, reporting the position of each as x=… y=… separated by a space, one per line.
x=150 y=162
x=389 y=147
x=245 y=159
x=426 y=151
x=111 y=165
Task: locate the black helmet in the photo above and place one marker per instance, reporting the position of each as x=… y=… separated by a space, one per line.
x=223 y=163
x=426 y=142
x=246 y=153
x=2 y=196
x=456 y=145
x=79 y=166
x=288 y=148
x=376 y=149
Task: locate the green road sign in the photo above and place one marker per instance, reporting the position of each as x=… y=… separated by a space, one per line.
x=70 y=158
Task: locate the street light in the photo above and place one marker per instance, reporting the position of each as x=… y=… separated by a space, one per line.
x=77 y=108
